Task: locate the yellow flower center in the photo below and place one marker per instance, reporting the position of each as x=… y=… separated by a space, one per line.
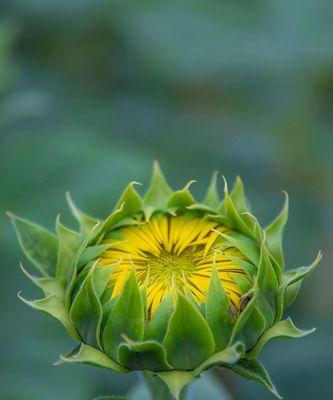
x=172 y=251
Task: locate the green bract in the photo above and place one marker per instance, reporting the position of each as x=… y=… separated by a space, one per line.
x=181 y=338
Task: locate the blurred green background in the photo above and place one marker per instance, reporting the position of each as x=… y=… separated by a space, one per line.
x=92 y=91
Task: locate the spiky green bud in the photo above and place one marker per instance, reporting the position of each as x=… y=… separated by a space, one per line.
x=166 y=284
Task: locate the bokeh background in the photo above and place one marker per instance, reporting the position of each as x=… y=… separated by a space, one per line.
x=92 y=91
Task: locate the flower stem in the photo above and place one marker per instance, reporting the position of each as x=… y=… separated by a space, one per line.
x=159 y=390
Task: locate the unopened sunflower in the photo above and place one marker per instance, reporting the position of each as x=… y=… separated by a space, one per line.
x=166 y=284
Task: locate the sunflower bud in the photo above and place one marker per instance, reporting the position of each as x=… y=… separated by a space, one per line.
x=166 y=284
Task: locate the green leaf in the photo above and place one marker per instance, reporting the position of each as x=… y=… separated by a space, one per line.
x=39 y=245
x=281 y=329
x=290 y=278
x=54 y=307
x=212 y=199
x=86 y=312
x=274 y=233
x=85 y=354
x=159 y=191
x=159 y=321
x=218 y=312
x=147 y=355
x=228 y=356
x=181 y=199
x=86 y=222
x=188 y=340
x=69 y=242
x=254 y=370
x=126 y=318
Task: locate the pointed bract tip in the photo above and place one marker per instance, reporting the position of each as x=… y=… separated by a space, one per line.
x=213 y=179
x=68 y=196
x=319 y=257
x=239 y=180
x=135 y=183
x=309 y=331
x=276 y=393
x=286 y=195
x=187 y=186
x=59 y=362
x=10 y=215
x=157 y=171
x=225 y=183
x=156 y=166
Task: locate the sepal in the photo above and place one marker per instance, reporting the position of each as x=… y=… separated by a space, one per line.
x=84 y=354
x=126 y=317
x=92 y=252
x=130 y=202
x=52 y=306
x=289 y=280
x=218 y=312
x=244 y=246
x=281 y=329
x=238 y=197
x=189 y=340
x=68 y=245
x=274 y=233
x=234 y=207
x=146 y=355
x=85 y=221
x=86 y=311
x=181 y=199
x=158 y=193
x=228 y=356
x=254 y=370
x=212 y=198
x=176 y=381
x=157 y=326
x=39 y=245
x=266 y=287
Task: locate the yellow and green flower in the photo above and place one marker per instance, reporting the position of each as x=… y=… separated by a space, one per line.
x=166 y=284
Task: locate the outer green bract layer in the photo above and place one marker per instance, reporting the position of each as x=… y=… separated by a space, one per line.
x=179 y=342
